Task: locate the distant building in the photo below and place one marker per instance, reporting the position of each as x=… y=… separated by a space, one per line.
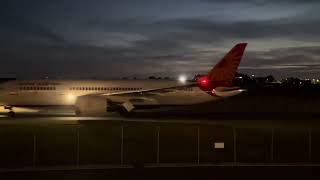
x=243 y=79
x=296 y=81
x=315 y=81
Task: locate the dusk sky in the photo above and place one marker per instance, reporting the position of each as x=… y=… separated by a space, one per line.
x=139 y=38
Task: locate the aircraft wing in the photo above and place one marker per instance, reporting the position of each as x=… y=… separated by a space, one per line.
x=155 y=90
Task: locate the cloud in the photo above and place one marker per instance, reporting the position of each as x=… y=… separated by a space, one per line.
x=264 y=2
x=207 y=31
x=112 y=62
x=283 y=62
x=83 y=43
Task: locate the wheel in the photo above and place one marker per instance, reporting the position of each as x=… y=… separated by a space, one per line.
x=11 y=113
x=78 y=112
x=123 y=112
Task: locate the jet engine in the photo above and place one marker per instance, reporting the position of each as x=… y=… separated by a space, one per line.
x=227 y=91
x=91 y=106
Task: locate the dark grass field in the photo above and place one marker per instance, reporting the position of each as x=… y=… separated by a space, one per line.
x=216 y=172
x=140 y=143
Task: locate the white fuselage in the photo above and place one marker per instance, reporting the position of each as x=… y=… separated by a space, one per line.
x=65 y=92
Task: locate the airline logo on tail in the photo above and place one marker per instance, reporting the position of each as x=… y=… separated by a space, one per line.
x=226 y=69
x=223 y=73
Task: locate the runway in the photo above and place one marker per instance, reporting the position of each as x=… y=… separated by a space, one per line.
x=250 y=109
x=235 y=119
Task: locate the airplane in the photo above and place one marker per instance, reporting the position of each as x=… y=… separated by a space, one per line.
x=98 y=97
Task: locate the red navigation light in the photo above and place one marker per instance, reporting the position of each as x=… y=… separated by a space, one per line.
x=204 y=81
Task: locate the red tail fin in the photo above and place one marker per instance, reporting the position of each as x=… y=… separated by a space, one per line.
x=225 y=70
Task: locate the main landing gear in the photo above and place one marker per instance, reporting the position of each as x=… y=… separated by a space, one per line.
x=126 y=109
x=11 y=113
x=123 y=112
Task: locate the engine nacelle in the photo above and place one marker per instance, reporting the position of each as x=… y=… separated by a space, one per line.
x=227 y=91
x=91 y=106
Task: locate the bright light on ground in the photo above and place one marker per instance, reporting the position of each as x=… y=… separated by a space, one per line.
x=19 y=109
x=182 y=78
